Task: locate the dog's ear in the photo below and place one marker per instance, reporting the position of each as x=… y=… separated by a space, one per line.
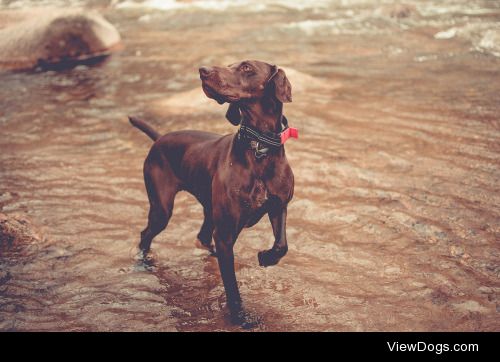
x=282 y=87
x=233 y=114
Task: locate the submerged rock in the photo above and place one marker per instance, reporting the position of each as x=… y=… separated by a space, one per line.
x=16 y=228
x=45 y=37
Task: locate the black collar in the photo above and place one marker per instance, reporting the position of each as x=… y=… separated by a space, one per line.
x=260 y=141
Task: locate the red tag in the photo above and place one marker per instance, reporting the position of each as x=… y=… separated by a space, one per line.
x=289 y=132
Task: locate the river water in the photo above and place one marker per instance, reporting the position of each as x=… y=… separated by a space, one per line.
x=395 y=220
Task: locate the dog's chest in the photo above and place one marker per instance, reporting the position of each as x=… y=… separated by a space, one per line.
x=252 y=196
x=258 y=195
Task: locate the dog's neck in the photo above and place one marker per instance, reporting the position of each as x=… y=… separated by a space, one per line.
x=261 y=116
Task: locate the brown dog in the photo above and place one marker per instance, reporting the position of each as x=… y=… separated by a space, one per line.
x=238 y=178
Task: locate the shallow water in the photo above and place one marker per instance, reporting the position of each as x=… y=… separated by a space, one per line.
x=395 y=220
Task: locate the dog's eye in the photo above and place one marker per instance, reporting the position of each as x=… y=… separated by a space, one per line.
x=246 y=68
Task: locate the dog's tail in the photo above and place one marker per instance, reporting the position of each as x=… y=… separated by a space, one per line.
x=144 y=127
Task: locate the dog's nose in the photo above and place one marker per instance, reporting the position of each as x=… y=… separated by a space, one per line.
x=205 y=72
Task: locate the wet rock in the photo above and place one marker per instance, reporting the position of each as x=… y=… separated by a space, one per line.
x=470 y=306
x=490 y=41
x=397 y=11
x=16 y=228
x=44 y=37
x=485 y=290
x=401 y=11
x=484 y=36
x=446 y=34
x=456 y=250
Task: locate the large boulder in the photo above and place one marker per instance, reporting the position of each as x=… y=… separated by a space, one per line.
x=50 y=36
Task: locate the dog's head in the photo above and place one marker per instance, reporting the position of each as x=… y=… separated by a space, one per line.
x=247 y=81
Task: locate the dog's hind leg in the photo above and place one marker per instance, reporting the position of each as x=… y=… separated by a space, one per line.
x=162 y=186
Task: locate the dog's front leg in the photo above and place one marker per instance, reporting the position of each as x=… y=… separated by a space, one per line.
x=277 y=216
x=225 y=256
x=224 y=243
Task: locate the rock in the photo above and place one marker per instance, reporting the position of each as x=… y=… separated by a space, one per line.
x=401 y=11
x=16 y=228
x=446 y=34
x=397 y=11
x=490 y=41
x=485 y=290
x=456 y=250
x=484 y=37
x=45 y=37
x=470 y=306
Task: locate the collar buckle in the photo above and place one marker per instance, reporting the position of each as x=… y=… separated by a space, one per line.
x=259 y=152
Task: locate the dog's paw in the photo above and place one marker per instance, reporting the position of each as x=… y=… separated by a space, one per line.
x=270 y=257
x=144 y=261
x=210 y=247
